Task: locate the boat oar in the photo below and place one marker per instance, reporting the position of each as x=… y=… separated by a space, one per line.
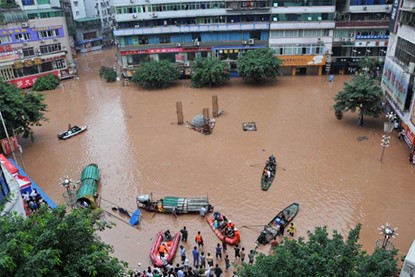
x=119 y=218
x=256 y=164
x=281 y=167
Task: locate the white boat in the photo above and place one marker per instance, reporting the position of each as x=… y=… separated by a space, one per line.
x=75 y=130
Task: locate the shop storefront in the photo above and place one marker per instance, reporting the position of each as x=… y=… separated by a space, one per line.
x=302 y=64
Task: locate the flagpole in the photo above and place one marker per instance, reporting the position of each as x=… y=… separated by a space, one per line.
x=8 y=138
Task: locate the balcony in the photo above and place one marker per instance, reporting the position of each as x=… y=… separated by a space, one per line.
x=192 y=28
x=372 y=24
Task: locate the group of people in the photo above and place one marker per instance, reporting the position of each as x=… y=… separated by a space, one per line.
x=33 y=200
x=226 y=227
x=269 y=168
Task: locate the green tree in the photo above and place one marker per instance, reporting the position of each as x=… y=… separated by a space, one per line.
x=323 y=256
x=208 y=72
x=258 y=65
x=9 y=4
x=370 y=66
x=21 y=109
x=155 y=75
x=108 y=73
x=361 y=94
x=56 y=243
x=46 y=82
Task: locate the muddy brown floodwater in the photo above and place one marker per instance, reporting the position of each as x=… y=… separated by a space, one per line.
x=337 y=179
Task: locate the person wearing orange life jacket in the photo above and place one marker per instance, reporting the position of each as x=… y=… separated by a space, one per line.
x=237 y=235
x=163 y=249
x=199 y=239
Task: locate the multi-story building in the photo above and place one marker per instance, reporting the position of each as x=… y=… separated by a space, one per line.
x=399 y=70
x=301 y=32
x=181 y=31
x=91 y=22
x=34 y=42
x=361 y=32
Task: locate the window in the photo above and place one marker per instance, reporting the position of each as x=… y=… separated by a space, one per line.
x=77 y=13
x=22 y=36
x=5 y=39
x=50 y=48
x=28 y=2
x=405 y=51
x=165 y=39
x=48 y=33
x=43 y=2
x=28 y=52
x=59 y=64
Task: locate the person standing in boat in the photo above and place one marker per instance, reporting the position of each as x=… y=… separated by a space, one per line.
x=69 y=126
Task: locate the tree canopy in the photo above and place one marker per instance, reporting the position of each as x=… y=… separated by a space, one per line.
x=55 y=243
x=47 y=82
x=258 y=65
x=155 y=75
x=108 y=73
x=208 y=72
x=360 y=94
x=21 y=109
x=371 y=67
x=321 y=255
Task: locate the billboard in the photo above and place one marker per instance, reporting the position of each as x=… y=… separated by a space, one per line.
x=394 y=16
x=302 y=60
x=26 y=82
x=395 y=81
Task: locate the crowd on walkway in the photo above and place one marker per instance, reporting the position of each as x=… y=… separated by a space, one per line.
x=33 y=200
x=201 y=263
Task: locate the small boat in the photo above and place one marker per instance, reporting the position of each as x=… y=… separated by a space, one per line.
x=135 y=217
x=172 y=246
x=267 y=181
x=75 y=130
x=87 y=194
x=229 y=240
x=272 y=230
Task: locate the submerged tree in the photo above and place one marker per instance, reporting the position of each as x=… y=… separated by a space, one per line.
x=47 y=82
x=323 y=256
x=371 y=67
x=258 y=65
x=360 y=94
x=21 y=109
x=155 y=75
x=208 y=72
x=55 y=243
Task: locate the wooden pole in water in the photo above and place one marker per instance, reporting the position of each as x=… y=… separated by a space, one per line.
x=206 y=113
x=179 y=108
x=215 y=106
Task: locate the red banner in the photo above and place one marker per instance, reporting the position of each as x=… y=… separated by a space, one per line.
x=5 y=48
x=7 y=148
x=8 y=165
x=29 y=81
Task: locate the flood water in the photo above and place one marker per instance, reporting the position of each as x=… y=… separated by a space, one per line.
x=132 y=135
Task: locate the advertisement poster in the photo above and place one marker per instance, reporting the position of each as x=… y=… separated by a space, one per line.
x=395 y=81
x=394 y=16
x=7 y=147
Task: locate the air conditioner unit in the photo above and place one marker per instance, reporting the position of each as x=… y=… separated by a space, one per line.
x=131 y=1
x=178 y=44
x=154 y=15
x=364 y=8
x=134 y=16
x=344 y=39
x=136 y=26
x=24 y=24
x=55 y=39
x=24 y=43
x=244 y=42
x=318 y=39
x=42 y=41
x=411 y=68
x=386 y=7
x=196 y=43
x=251 y=41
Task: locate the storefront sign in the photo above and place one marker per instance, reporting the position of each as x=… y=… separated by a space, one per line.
x=9 y=56
x=5 y=48
x=9 y=147
x=395 y=81
x=179 y=58
x=394 y=17
x=29 y=81
x=409 y=137
x=163 y=50
x=372 y=37
x=47 y=28
x=371 y=43
x=302 y=60
x=65 y=74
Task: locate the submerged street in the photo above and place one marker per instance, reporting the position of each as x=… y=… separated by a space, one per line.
x=332 y=167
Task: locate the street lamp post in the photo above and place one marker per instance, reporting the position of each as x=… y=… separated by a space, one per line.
x=384 y=143
x=7 y=135
x=69 y=195
x=388 y=232
x=20 y=148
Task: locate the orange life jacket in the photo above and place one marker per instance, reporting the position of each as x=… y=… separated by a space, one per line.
x=199 y=238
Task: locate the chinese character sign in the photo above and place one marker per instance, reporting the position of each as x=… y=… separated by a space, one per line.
x=395 y=81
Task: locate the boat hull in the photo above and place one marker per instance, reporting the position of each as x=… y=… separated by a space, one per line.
x=232 y=241
x=272 y=230
x=69 y=133
x=267 y=182
x=154 y=252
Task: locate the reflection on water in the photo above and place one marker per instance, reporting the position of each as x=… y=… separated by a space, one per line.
x=132 y=136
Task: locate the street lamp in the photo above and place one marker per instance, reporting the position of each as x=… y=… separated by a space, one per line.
x=19 y=146
x=384 y=143
x=69 y=195
x=388 y=232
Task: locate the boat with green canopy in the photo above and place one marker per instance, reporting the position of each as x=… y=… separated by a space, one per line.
x=88 y=191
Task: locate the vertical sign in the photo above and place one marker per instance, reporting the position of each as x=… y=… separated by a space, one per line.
x=394 y=16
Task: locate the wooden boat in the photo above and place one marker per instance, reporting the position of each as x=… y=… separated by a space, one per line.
x=75 y=130
x=135 y=217
x=272 y=230
x=232 y=241
x=154 y=253
x=265 y=181
x=169 y=204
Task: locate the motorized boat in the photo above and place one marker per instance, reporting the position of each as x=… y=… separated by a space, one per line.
x=73 y=131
